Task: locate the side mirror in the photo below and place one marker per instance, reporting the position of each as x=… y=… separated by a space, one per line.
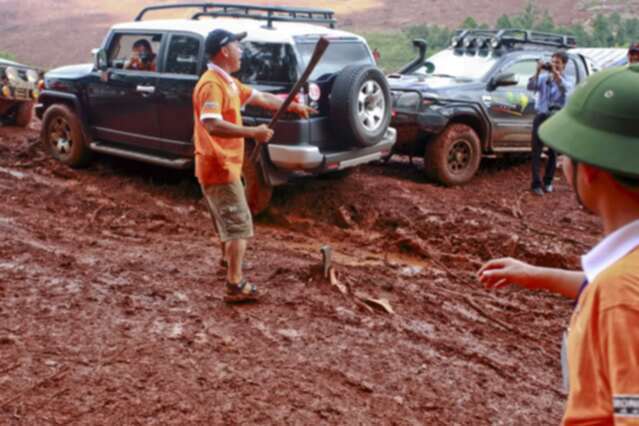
x=500 y=80
x=100 y=59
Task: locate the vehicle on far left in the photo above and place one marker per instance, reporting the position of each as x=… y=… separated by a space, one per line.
x=18 y=91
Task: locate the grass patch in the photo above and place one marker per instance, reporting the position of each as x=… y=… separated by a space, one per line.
x=394 y=46
x=7 y=55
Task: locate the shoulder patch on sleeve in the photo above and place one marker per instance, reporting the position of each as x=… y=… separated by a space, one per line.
x=626 y=406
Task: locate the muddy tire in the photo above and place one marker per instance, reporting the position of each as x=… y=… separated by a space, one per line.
x=258 y=191
x=453 y=157
x=63 y=137
x=360 y=105
x=24 y=112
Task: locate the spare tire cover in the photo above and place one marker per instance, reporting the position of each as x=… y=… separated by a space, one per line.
x=360 y=107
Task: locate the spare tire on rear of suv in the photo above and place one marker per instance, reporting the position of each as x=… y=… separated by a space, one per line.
x=360 y=105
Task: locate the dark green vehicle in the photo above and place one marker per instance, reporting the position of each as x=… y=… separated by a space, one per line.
x=18 y=92
x=470 y=100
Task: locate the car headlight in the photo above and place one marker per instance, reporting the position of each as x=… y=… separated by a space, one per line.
x=12 y=73
x=32 y=76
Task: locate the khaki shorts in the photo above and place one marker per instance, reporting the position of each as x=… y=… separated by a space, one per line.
x=229 y=210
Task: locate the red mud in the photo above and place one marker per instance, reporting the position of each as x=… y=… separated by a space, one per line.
x=111 y=305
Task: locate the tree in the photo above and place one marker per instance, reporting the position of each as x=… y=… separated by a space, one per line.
x=503 y=22
x=546 y=24
x=469 y=23
x=527 y=18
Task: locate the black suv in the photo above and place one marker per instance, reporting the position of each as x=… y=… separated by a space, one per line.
x=148 y=115
x=471 y=100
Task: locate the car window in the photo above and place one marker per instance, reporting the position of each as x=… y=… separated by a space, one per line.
x=183 y=55
x=338 y=55
x=460 y=65
x=267 y=63
x=522 y=70
x=571 y=70
x=125 y=51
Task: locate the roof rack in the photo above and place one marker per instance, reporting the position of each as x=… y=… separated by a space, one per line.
x=511 y=37
x=266 y=13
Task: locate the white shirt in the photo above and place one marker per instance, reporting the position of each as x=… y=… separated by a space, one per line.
x=611 y=249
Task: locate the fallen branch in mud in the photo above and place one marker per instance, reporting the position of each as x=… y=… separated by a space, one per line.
x=489 y=317
x=555 y=236
x=55 y=376
x=33 y=163
x=360 y=298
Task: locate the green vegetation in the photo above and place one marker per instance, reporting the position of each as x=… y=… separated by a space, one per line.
x=611 y=30
x=7 y=55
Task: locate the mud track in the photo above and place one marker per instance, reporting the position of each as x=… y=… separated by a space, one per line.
x=111 y=309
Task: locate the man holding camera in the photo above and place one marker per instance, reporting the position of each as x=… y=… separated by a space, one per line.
x=552 y=88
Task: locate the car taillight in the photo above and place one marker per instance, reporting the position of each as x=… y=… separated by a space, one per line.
x=314 y=92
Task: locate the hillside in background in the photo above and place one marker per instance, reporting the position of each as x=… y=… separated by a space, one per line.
x=55 y=32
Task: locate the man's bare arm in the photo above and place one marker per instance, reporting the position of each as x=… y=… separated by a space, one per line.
x=224 y=129
x=273 y=103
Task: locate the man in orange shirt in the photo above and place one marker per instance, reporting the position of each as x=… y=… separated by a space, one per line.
x=597 y=131
x=219 y=150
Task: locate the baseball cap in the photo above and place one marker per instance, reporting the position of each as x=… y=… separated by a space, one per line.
x=598 y=126
x=217 y=39
x=634 y=47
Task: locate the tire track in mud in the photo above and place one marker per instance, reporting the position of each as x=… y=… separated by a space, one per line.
x=111 y=273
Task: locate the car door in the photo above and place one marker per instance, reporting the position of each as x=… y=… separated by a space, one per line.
x=512 y=108
x=123 y=101
x=182 y=68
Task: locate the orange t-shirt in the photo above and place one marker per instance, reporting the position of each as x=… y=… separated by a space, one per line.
x=603 y=349
x=218 y=96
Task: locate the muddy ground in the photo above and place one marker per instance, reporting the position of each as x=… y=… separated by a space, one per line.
x=111 y=306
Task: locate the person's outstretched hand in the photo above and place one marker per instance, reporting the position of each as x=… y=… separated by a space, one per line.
x=499 y=273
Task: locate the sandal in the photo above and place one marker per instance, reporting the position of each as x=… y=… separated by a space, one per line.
x=241 y=292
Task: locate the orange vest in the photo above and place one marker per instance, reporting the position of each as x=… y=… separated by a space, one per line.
x=603 y=349
x=217 y=96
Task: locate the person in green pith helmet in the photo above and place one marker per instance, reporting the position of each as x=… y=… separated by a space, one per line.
x=599 y=135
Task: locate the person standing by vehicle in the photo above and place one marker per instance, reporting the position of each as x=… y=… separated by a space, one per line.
x=552 y=88
x=633 y=53
x=598 y=133
x=219 y=151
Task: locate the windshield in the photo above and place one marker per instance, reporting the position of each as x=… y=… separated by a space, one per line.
x=338 y=55
x=267 y=63
x=460 y=65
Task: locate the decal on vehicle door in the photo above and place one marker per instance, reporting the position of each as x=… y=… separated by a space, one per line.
x=509 y=103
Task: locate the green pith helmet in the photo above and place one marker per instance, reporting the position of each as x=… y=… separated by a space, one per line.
x=600 y=123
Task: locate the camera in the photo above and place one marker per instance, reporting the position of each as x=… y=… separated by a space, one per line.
x=546 y=66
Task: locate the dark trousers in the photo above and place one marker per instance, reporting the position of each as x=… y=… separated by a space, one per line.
x=537 y=147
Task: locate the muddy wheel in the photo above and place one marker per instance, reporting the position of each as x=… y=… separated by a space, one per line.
x=23 y=114
x=63 y=137
x=258 y=191
x=453 y=157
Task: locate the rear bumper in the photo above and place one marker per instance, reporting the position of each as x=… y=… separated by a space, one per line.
x=310 y=158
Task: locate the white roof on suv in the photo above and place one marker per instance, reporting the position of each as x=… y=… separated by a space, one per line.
x=282 y=32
